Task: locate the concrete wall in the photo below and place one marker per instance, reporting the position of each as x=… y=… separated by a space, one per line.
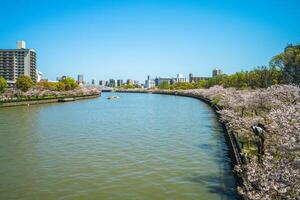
x=33 y=102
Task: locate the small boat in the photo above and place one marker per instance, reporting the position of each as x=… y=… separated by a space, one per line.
x=113 y=97
x=67 y=99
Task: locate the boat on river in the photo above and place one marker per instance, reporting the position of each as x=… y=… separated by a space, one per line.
x=113 y=97
x=66 y=99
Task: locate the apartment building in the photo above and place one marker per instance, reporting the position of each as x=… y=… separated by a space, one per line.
x=18 y=62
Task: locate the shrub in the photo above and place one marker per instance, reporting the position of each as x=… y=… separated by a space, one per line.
x=70 y=83
x=24 y=83
x=3 y=85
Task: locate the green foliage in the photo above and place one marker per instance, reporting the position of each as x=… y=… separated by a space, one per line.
x=70 y=83
x=164 y=85
x=183 y=86
x=3 y=85
x=215 y=100
x=24 y=83
x=127 y=86
x=260 y=77
x=130 y=86
x=200 y=84
x=60 y=86
x=48 y=85
x=217 y=80
x=289 y=62
x=53 y=86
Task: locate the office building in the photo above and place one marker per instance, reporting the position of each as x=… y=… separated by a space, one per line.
x=93 y=82
x=119 y=83
x=80 y=79
x=18 y=62
x=180 y=78
x=103 y=83
x=193 y=79
x=159 y=81
x=112 y=83
x=149 y=83
x=216 y=72
x=130 y=82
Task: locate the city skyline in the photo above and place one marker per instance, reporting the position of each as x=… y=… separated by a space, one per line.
x=9 y=56
x=133 y=39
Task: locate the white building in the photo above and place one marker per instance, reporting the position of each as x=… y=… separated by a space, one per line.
x=18 y=62
x=149 y=83
x=180 y=78
x=39 y=76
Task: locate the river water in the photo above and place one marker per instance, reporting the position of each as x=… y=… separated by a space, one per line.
x=141 y=146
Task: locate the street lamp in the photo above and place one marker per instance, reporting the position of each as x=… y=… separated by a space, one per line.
x=259 y=131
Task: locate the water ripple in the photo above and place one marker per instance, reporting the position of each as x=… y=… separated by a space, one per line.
x=142 y=146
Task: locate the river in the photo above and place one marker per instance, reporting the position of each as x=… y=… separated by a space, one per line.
x=141 y=146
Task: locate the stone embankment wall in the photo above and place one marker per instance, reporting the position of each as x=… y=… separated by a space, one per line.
x=43 y=101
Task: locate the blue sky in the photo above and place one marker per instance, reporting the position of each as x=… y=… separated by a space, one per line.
x=131 y=39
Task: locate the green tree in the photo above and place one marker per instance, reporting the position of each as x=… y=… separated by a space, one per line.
x=48 y=85
x=183 y=86
x=289 y=62
x=130 y=86
x=60 y=86
x=24 y=83
x=164 y=85
x=200 y=84
x=3 y=85
x=70 y=83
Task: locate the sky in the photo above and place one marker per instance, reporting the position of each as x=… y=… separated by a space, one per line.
x=121 y=39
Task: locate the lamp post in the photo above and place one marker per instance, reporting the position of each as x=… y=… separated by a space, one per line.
x=259 y=131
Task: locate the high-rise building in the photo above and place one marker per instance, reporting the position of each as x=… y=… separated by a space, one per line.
x=93 y=82
x=103 y=83
x=193 y=79
x=18 y=62
x=119 y=83
x=180 y=78
x=80 y=79
x=130 y=82
x=190 y=77
x=216 y=72
x=149 y=83
x=112 y=83
x=160 y=80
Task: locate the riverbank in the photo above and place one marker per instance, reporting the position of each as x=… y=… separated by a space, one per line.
x=40 y=95
x=47 y=100
x=267 y=161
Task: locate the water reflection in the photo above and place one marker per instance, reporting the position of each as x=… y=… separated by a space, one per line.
x=143 y=146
